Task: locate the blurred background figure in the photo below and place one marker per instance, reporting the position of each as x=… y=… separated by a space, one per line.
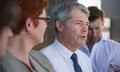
x=8 y=15
x=101 y=50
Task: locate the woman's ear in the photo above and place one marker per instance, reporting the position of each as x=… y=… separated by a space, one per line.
x=28 y=24
x=59 y=26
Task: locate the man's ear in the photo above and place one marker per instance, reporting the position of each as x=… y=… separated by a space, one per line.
x=102 y=22
x=59 y=26
x=28 y=24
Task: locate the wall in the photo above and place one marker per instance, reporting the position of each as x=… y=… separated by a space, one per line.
x=112 y=10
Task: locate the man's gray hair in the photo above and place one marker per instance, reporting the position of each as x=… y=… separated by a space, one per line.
x=63 y=11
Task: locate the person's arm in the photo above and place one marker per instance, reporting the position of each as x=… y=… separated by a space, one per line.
x=115 y=62
x=116 y=68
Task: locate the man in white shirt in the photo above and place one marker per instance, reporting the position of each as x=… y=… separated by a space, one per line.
x=71 y=23
x=104 y=53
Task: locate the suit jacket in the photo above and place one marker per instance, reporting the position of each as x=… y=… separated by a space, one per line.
x=40 y=63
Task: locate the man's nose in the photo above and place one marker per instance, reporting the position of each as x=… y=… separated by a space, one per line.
x=94 y=33
x=85 y=28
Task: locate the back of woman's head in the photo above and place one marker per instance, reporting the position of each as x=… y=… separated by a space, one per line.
x=28 y=8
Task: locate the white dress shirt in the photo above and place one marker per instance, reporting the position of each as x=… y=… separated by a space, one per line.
x=104 y=53
x=59 y=56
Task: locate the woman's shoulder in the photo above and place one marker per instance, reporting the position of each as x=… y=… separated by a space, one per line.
x=42 y=60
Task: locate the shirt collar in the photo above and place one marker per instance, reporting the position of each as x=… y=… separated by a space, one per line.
x=103 y=38
x=62 y=50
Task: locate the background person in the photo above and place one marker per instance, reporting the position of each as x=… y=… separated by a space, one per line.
x=7 y=20
x=102 y=51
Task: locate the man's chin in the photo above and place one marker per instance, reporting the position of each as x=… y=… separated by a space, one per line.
x=95 y=40
x=41 y=41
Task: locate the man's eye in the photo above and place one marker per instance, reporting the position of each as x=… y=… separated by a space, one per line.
x=90 y=28
x=78 y=23
x=96 y=28
x=87 y=24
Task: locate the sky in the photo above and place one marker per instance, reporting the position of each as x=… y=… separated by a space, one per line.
x=91 y=3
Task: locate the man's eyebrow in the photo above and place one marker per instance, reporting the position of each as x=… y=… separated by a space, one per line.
x=81 y=21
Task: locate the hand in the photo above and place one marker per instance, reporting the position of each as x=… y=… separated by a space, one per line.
x=116 y=68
